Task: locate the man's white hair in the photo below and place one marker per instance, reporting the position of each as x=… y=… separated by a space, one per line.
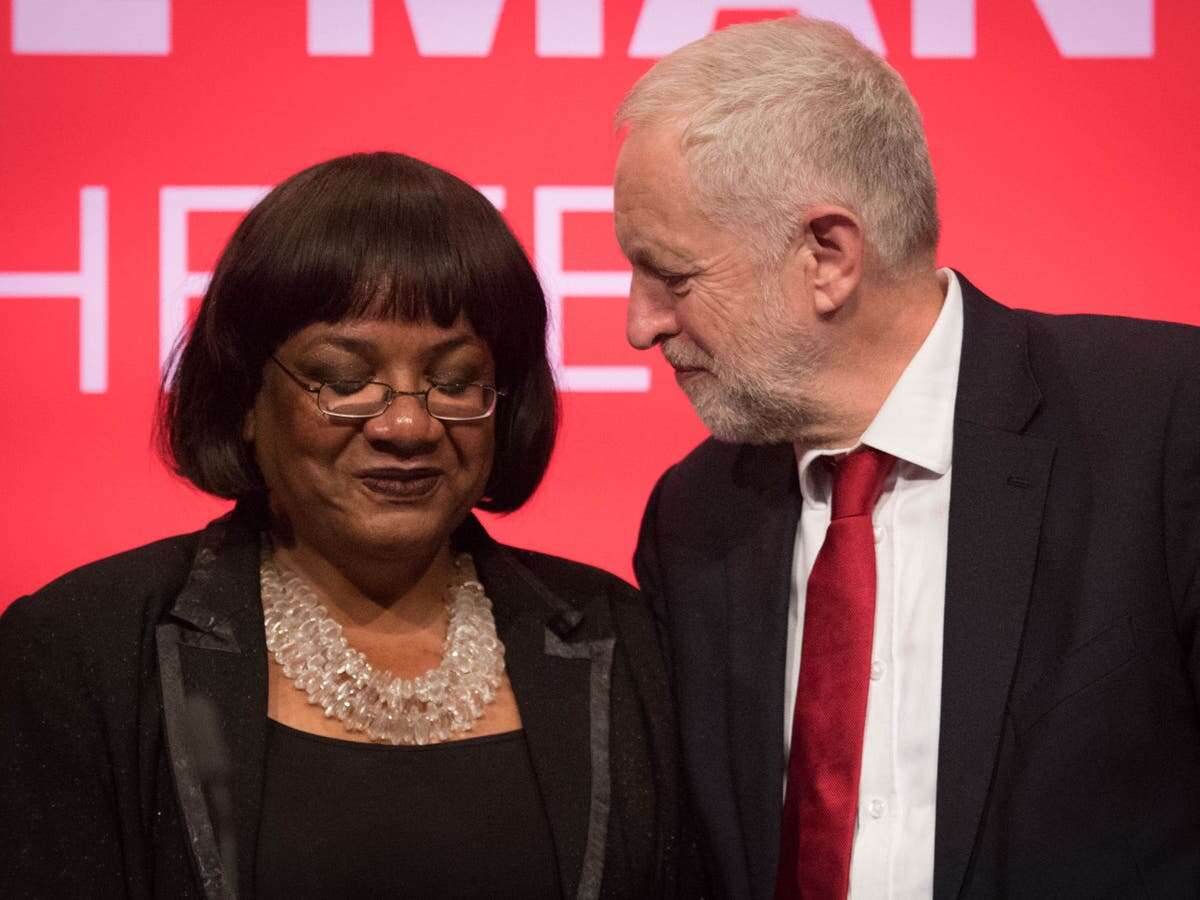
x=777 y=116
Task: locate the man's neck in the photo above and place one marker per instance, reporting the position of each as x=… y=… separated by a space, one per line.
x=894 y=320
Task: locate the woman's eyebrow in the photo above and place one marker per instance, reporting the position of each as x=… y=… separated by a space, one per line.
x=450 y=344
x=364 y=347
x=342 y=342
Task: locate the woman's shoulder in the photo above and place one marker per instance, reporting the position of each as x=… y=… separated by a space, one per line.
x=86 y=633
x=574 y=581
x=102 y=595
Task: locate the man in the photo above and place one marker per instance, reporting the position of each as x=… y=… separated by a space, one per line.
x=932 y=591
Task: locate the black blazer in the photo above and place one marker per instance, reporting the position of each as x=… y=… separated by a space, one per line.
x=134 y=704
x=1069 y=755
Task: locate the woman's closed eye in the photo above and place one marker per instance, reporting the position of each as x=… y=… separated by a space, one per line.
x=345 y=388
x=453 y=388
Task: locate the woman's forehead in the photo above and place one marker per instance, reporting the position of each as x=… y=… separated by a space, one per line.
x=386 y=336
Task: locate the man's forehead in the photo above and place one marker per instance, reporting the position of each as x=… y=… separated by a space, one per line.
x=652 y=229
x=651 y=155
x=651 y=192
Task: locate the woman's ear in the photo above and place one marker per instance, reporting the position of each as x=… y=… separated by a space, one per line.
x=248 y=427
x=834 y=239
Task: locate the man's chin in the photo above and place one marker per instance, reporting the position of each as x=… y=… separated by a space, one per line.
x=743 y=433
x=735 y=420
x=726 y=423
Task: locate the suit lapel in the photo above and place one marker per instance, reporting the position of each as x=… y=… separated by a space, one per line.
x=998 y=491
x=213 y=677
x=758 y=586
x=560 y=668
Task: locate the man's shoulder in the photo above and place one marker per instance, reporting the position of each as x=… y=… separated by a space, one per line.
x=1114 y=336
x=723 y=466
x=1132 y=367
x=1084 y=341
x=709 y=457
x=720 y=486
x=1117 y=368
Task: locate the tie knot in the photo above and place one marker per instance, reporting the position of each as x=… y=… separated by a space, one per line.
x=858 y=481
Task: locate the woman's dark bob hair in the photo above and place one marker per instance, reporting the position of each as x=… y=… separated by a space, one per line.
x=375 y=235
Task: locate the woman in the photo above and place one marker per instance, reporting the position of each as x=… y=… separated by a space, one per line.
x=345 y=687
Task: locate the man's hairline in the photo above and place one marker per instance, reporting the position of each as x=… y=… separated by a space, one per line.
x=764 y=258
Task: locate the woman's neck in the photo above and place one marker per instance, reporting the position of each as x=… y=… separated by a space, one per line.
x=398 y=596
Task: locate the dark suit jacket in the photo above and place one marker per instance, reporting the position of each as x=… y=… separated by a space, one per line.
x=1069 y=755
x=134 y=704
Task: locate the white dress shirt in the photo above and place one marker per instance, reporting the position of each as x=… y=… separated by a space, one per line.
x=893 y=842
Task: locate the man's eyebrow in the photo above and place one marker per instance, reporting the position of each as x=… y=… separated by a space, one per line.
x=645 y=258
x=641 y=258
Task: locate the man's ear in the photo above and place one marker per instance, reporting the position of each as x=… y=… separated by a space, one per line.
x=834 y=242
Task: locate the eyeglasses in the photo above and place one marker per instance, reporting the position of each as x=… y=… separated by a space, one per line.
x=367 y=399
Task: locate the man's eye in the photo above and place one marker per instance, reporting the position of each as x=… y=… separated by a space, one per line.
x=673 y=280
x=453 y=388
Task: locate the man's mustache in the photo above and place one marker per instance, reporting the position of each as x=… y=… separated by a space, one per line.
x=683 y=355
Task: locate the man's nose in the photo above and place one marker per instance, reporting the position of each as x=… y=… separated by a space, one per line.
x=650 y=317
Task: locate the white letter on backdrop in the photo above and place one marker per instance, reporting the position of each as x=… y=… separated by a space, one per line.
x=570 y=28
x=549 y=206
x=340 y=28
x=92 y=27
x=666 y=25
x=1080 y=28
x=455 y=27
x=176 y=283
x=440 y=27
x=943 y=28
x=89 y=284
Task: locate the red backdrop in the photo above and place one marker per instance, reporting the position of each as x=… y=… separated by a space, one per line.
x=1063 y=135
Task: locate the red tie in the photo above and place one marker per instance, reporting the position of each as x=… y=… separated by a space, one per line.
x=831 y=695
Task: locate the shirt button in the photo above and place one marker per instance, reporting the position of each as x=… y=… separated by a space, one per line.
x=877 y=808
x=879 y=535
x=877 y=669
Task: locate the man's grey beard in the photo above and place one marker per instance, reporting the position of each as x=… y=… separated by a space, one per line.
x=743 y=412
x=745 y=406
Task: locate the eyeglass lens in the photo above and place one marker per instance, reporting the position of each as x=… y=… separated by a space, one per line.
x=363 y=400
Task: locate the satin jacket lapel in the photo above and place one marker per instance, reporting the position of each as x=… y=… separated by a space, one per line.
x=758 y=572
x=560 y=667
x=998 y=492
x=213 y=678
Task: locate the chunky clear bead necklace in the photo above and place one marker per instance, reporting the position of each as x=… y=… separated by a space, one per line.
x=314 y=655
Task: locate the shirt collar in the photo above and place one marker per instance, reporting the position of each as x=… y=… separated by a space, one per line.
x=916 y=421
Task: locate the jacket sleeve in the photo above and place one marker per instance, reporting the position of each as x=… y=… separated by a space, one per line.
x=645 y=560
x=1181 y=498
x=57 y=812
x=691 y=872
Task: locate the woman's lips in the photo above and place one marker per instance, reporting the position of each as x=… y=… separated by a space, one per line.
x=401 y=484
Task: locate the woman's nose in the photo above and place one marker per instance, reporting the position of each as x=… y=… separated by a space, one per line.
x=405 y=421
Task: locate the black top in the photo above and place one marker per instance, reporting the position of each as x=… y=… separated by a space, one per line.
x=459 y=819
